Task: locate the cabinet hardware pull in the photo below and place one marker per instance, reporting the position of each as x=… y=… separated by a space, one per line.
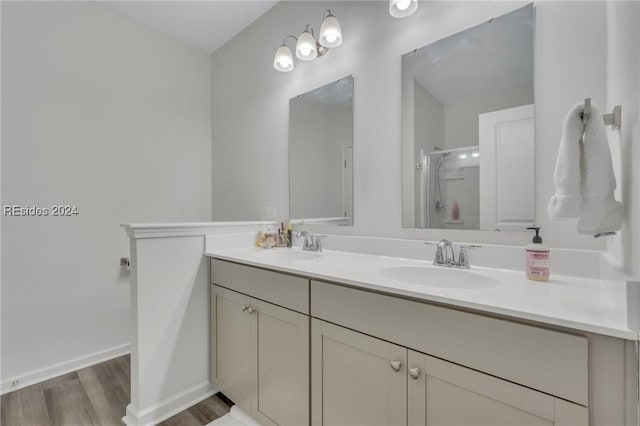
x=395 y=365
x=243 y=308
x=414 y=372
x=252 y=310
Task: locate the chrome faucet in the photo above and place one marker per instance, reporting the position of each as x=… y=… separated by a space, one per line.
x=445 y=255
x=311 y=242
x=308 y=240
x=447 y=247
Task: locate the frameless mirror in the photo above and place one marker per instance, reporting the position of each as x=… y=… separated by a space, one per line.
x=321 y=155
x=468 y=128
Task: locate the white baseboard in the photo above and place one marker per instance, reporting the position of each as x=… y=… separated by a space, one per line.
x=40 y=375
x=169 y=407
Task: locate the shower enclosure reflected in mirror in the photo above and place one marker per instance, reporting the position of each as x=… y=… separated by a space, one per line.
x=468 y=128
x=321 y=155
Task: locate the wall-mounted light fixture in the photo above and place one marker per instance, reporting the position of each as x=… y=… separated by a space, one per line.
x=307 y=48
x=402 y=8
x=284 y=59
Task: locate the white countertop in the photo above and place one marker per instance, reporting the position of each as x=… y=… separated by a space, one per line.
x=591 y=305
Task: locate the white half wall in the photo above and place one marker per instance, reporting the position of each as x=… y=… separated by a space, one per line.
x=170 y=327
x=100 y=112
x=170 y=323
x=570 y=64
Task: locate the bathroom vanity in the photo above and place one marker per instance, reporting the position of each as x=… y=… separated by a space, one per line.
x=344 y=338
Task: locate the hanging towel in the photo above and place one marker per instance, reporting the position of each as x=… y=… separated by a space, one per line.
x=584 y=175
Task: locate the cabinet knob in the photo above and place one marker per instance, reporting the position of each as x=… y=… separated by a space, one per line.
x=414 y=372
x=395 y=365
x=251 y=310
x=243 y=308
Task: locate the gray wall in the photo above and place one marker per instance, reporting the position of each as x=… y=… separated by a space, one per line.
x=317 y=134
x=428 y=125
x=100 y=112
x=246 y=89
x=623 y=88
x=461 y=118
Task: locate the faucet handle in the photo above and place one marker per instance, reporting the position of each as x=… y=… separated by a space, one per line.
x=440 y=244
x=439 y=258
x=318 y=243
x=432 y=243
x=463 y=257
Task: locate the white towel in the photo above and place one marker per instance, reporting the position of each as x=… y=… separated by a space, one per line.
x=584 y=175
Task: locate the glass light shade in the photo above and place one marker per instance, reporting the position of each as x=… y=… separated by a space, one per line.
x=306 y=47
x=402 y=8
x=283 y=61
x=330 y=32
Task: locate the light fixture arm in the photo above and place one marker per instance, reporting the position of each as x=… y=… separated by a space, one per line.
x=326 y=14
x=284 y=40
x=309 y=28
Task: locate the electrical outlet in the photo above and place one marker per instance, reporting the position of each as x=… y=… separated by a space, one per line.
x=269 y=213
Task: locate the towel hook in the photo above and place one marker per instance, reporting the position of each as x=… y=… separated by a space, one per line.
x=612 y=119
x=615 y=118
x=586 y=114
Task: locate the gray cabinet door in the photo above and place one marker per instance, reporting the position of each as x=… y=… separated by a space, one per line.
x=356 y=379
x=442 y=393
x=280 y=358
x=231 y=370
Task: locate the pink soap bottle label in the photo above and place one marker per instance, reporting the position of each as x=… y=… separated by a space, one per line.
x=537 y=264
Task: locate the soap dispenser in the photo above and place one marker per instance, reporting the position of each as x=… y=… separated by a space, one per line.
x=537 y=258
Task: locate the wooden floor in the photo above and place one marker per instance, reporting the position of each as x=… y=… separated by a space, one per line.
x=97 y=395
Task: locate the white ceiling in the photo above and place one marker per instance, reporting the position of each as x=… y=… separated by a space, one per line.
x=490 y=57
x=205 y=25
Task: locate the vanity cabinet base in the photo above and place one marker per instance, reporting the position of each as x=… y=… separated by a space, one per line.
x=358 y=379
x=442 y=393
x=366 y=357
x=260 y=357
x=549 y=361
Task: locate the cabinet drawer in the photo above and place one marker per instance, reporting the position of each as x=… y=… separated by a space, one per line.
x=280 y=289
x=542 y=359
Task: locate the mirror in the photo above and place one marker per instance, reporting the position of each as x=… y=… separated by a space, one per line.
x=468 y=128
x=321 y=155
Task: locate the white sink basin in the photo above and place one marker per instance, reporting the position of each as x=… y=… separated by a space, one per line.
x=439 y=277
x=273 y=255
